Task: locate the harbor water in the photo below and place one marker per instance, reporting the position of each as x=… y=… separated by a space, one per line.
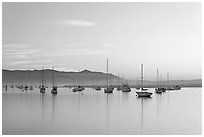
x=95 y=112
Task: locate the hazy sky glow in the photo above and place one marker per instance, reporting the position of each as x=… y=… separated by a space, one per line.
x=72 y=36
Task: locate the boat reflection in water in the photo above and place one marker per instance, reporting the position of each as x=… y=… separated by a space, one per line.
x=54 y=99
x=143 y=101
x=42 y=101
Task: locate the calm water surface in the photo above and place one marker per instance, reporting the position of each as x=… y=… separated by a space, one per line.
x=94 y=112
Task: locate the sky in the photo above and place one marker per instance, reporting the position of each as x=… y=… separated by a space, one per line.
x=77 y=36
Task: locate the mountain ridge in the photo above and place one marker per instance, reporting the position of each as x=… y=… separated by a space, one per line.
x=83 y=77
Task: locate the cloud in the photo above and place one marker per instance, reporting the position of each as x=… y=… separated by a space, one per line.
x=19 y=55
x=18 y=51
x=110 y=45
x=73 y=22
x=71 y=52
x=27 y=63
x=57 y=43
x=6 y=46
x=18 y=62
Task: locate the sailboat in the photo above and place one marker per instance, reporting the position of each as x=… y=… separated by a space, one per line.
x=79 y=87
x=97 y=86
x=54 y=88
x=126 y=88
x=162 y=88
x=118 y=87
x=177 y=87
x=42 y=88
x=158 y=90
x=143 y=93
x=108 y=89
x=74 y=86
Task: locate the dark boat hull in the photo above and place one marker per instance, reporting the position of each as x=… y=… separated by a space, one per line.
x=98 y=88
x=54 y=91
x=118 y=89
x=126 y=90
x=80 y=90
x=159 y=90
x=42 y=90
x=109 y=90
x=144 y=94
x=74 y=90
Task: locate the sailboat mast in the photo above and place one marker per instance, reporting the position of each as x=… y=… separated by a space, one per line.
x=141 y=76
x=42 y=75
x=161 y=81
x=107 y=72
x=167 y=78
x=157 y=77
x=118 y=81
x=53 y=77
x=122 y=79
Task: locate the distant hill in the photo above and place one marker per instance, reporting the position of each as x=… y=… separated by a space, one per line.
x=85 y=77
x=28 y=77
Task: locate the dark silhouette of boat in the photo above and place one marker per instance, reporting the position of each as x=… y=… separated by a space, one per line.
x=80 y=88
x=74 y=90
x=143 y=93
x=118 y=87
x=26 y=88
x=31 y=87
x=177 y=87
x=158 y=90
x=108 y=89
x=21 y=87
x=42 y=87
x=125 y=87
x=97 y=88
x=54 y=88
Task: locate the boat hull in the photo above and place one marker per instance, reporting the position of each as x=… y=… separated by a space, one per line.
x=98 y=88
x=126 y=90
x=109 y=90
x=159 y=90
x=54 y=90
x=177 y=88
x=74 y=90
x=144 y=94
x=174 y=88
x=42 y=90
x=118 y=88
x=80 y=89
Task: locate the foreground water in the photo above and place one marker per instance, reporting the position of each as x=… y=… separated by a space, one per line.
x=94 y=112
